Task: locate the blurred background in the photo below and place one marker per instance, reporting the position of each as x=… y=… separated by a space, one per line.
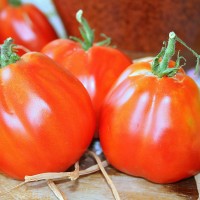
x=136 y=27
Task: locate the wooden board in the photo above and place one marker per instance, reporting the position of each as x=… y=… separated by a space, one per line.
x=95 y=187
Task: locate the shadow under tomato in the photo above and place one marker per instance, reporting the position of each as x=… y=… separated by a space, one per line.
x=185 y=188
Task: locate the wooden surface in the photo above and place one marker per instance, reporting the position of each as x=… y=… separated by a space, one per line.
x=95 y=187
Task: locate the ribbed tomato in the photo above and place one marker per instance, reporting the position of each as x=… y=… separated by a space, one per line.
x=150 y=121
x=26 y=24
x=47 y=119
x=96 y=65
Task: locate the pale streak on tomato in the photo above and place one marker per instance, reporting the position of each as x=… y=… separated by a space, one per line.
x=89 y=83
x=6 y=74
x=122 y=97
x=13 y=122
x=162 y=117
x=28 y=34
x=139 y=111
x=37 y=110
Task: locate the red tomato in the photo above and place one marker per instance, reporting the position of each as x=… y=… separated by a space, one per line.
x=150 y=126
x=27 y=25
x=96 y=65
x=97 y=68
x=47 y=119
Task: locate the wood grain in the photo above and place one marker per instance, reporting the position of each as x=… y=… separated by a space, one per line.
x=94 y=187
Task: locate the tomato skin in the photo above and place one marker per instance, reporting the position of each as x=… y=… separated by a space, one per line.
x=3 y=4
x=150 y=126
x=27 y=25
x=97 y=68
x=46 y=117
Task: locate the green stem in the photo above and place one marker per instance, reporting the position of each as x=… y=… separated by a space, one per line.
x=7 y=55
x=169 y=52
x=15 y=2
x=193 y=52
x=160 y=68
x=87 y=34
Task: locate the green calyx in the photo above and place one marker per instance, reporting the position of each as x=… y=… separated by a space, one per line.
x=160 y=63
x=7 y=54
x=15 y=2
x=88 y=34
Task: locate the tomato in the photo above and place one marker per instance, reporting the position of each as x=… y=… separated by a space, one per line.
x=3 y=3
x=150 y=122
x=47 y=119
x=27 y=25
x=97 y=67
